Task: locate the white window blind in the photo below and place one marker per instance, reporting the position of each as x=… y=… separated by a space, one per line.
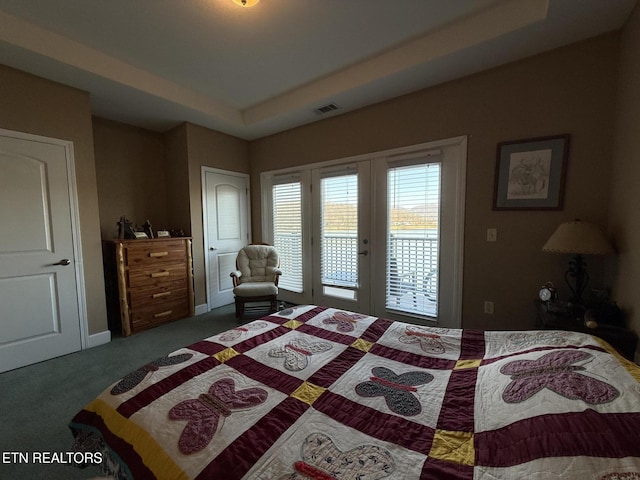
x=339 y=230
x=287 y=231
x=413 y=235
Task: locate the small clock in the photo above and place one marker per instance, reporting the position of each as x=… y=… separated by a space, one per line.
x=548 y=292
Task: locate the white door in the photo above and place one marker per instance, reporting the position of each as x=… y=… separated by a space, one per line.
x=226 y=229
x=341 y=241
x=39 y=316
x=419 y=205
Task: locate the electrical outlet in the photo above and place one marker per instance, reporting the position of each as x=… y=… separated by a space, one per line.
x=488 y=307
x=492 y=234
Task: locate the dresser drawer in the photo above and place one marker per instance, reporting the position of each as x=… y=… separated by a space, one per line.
x=151 y=253
x=153 y=294
x=144 y=317
x=157 y=275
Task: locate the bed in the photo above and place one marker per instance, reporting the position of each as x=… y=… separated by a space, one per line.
x=318 y=393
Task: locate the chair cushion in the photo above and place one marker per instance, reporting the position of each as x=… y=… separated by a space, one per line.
x=255 y=289
x=257 y=263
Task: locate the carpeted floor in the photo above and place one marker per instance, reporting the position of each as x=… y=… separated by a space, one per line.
x=37 y=402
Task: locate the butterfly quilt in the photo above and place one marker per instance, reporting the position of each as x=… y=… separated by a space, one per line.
x=318 y=393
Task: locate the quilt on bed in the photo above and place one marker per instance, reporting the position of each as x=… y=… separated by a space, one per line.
x=319 y=393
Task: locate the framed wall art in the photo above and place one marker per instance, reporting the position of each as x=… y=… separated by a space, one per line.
x=530 y=173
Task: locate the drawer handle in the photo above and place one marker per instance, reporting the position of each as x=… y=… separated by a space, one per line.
x=159 y=274
x=158 y=254
x=163 y=314
x=163 y=294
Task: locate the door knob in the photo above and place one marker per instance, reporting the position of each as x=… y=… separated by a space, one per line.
x=364 y=252
x=213 y=248
x=64 y=262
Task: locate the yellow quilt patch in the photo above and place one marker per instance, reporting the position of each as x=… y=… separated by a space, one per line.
x=157 y=460
x=308 y=392
x=225 y=355
x=453 y=447
x=363 y=345
x=467 y=364
x=292 y=324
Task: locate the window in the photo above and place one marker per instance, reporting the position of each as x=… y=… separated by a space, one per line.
x=339 y=234
x=413 y=211
x=287 y=231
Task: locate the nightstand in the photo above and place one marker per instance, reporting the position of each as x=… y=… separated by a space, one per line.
x=622 y=339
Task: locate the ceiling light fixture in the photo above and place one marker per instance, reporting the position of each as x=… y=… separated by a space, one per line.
x=246 y=3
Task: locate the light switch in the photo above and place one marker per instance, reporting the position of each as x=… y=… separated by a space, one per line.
x=488 y=307
x=492 y=234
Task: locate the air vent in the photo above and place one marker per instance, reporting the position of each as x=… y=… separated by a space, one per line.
x=326 y=109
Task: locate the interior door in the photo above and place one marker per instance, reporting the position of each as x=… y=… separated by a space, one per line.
x=226 y=216
x=341 y=241
x=39 y=316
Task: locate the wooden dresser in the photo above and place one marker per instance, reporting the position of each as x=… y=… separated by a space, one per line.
x=154 y=281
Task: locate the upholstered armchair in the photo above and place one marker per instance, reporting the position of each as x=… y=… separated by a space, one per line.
x=256 y=277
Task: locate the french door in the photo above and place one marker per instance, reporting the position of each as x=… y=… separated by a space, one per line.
x=341 y=240
x=381 y=234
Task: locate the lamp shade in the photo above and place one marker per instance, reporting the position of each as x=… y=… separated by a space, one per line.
x=578 y=237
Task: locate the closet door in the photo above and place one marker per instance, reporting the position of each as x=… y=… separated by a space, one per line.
x=226 y=229
x=39 y=268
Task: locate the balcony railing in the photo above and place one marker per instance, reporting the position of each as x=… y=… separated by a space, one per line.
x=411 y=274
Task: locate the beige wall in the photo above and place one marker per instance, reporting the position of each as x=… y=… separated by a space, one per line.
x=189 y=148
x=625 y=186
x=130 y=166
x=166 y=171
x=208 y=148
x=178 y=213
x=34 y=105
x=569 y=90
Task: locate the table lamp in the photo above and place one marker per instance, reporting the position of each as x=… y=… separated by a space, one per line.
x=578 y=238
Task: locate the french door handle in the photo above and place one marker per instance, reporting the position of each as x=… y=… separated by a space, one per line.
x=364 y=252
x=64 y=262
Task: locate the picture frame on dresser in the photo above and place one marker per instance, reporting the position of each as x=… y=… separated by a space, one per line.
x=531 y=173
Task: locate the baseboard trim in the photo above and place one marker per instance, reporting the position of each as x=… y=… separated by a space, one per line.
x=200 y=309
x=98 y=339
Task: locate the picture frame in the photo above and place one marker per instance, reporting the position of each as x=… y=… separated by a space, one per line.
x=530 y=173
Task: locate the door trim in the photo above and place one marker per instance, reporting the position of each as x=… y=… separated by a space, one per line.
x=205 y=230
x=75 y=225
